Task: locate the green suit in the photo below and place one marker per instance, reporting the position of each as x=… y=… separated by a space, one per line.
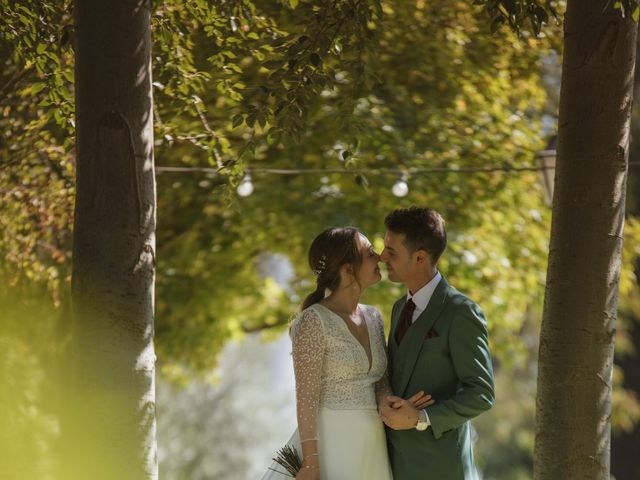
x=446 y=354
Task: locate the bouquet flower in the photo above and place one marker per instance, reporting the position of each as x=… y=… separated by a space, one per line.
x=289 y=459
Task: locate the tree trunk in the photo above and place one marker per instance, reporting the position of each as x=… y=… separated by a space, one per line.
x=112 y=417
x=624 y=446
x=577 y=335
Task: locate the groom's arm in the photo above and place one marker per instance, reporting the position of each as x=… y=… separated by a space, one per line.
x=469 y=347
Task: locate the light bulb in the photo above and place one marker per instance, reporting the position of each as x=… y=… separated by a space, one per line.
x=246 y=186
x=400 y=188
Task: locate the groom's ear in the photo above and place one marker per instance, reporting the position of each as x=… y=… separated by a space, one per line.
x=422 y=256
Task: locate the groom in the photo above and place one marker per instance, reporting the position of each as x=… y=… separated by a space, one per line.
x=437 y=343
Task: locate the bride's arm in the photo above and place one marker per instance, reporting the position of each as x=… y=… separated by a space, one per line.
x=382 y=386
x=383 y=389
x=308 y=342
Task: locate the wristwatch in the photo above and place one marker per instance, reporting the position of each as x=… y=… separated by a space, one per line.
x=423 y=422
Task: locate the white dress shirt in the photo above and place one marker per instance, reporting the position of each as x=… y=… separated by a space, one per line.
x=421 y=297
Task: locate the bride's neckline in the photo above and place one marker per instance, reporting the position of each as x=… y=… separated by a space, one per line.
x=357 y=310
x=368 y=352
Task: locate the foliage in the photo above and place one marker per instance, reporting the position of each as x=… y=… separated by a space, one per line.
x=445 y=95
x=626 y=407
x=29 y=393
x=36 y=51
x=520 y=13
x=396 y=86
x=626 y=8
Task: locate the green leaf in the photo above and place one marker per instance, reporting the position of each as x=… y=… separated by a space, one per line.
x=273 y=64
x=496 y=23
x=237 y=120
x=362 y=181
x=315 y=59
x=68 y=75
x=37 y=87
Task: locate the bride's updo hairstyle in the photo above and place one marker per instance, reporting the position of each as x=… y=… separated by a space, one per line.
x=329 y=251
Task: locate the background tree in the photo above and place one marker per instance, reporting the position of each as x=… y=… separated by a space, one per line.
x=578 y=328
x=625 y=439
x=112 y=416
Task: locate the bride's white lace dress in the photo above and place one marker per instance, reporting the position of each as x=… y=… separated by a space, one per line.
x=336 y=390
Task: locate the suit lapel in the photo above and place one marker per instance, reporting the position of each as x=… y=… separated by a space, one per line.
x=407 y=352
x=394 y=321
x=391 y=342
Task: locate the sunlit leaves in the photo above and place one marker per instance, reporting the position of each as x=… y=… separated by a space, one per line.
x=445 y=94
x=626 y=8
x=350 y=85
x=520 y=15
x=39 y=35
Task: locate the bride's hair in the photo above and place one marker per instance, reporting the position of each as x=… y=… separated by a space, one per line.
x=329 y=251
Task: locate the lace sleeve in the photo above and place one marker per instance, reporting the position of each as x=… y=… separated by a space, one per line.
x=307 y=338
x=383 y=387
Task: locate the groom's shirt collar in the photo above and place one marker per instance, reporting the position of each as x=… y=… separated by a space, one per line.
x=421 y=297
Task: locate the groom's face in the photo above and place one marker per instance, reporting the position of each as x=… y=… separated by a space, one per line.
x=399 y=260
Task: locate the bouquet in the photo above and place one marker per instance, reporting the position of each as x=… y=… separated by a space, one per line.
x=288 y=458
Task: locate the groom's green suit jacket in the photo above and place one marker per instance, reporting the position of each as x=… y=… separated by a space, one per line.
x=446 y=354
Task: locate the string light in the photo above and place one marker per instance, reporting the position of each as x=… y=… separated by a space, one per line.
x=401 y=188
x=363 y=171
x=246 y=186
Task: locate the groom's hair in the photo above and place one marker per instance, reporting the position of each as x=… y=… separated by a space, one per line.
x=423 y=229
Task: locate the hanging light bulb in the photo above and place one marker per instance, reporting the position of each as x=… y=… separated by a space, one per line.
x=246 y=186
x=401 y=188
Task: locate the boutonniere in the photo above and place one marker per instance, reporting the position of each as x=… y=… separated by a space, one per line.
x=431 y=334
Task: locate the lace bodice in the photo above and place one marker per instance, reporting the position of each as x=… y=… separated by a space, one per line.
x=331 y=366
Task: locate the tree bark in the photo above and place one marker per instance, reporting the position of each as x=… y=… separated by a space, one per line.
x=112 y=415
x=624 y=446
x=577 y=335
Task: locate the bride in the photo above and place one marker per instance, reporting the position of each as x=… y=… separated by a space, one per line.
x=340 y=366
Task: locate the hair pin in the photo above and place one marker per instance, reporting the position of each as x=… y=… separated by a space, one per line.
x=322 y=265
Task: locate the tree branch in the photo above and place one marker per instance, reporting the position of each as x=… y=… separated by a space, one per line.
x=13 y=81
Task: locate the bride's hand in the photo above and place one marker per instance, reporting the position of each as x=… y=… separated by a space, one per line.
x=312 y=473
x=421 y=400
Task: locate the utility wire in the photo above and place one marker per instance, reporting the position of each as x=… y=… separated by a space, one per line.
x=393 y=171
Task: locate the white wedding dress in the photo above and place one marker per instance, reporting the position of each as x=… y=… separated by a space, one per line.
x=336 y=391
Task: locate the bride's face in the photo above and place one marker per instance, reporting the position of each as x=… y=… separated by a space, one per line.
x=369 y=272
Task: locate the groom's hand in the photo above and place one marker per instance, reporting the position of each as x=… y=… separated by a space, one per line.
x=398 y=413
x=420 y=400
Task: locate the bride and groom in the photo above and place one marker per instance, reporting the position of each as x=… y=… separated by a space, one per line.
x=362 y=410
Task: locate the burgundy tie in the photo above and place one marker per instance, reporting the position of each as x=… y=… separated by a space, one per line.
x=405 y=320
